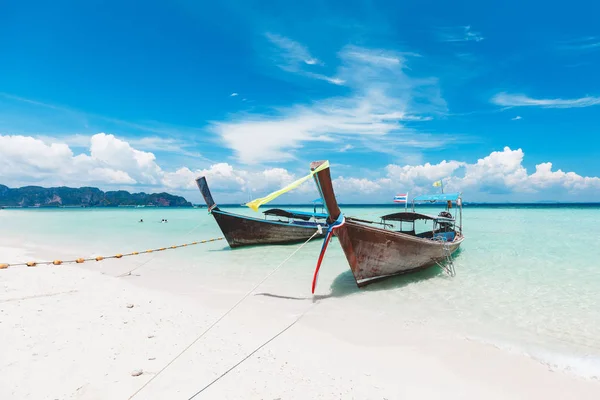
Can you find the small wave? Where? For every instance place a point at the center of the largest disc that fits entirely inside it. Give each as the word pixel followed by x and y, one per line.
pixel 583 365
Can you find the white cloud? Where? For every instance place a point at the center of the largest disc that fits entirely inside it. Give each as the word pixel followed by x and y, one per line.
pixel 418 175
pixel 346 148
pixel 112 162
pixel 293 52
pixel 500 173
pixel 26 159
pixel 353 186
pixel 518 117
pixel 377 57
pixel 233 94
pixel 500 170
pixel 230 184
pixel 382 98
pixel 519 100
pixel 108 150
pixel 335 81
pixel 544 177
pixel 110 176
pixel 459 34
pixel 293 57
pixel 146 143
pixel 588 43
pixel 49 122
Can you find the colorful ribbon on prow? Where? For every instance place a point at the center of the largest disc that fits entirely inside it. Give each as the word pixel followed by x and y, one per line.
pixel 337 224
pixel 254 204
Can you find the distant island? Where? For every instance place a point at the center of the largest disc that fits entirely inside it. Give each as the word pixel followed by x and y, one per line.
pixel 36 196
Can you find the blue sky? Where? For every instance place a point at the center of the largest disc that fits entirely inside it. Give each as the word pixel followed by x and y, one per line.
pixel 250 92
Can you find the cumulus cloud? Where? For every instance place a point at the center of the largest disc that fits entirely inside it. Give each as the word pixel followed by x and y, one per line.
pixel 417 175
pixel 114 163
pixel 361 186
pixel 501 172
pixel 111 162
pixel 223 176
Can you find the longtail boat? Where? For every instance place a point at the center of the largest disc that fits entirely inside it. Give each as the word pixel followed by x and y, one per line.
pixel 285 226
pixel 375 252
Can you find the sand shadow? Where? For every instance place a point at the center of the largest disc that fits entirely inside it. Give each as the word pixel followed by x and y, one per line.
pixel 280 296
pixel 270 245
pixel 224 248
pixel 259 246
pixel 345 285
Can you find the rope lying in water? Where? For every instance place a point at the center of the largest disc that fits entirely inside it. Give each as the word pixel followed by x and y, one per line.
pixel 100 258
pixel 318 231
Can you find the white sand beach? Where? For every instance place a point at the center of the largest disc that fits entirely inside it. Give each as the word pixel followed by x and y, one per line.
pixel 81 331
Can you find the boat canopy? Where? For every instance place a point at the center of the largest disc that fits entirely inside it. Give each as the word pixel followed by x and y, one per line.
pixel 303 215
pixel 438 197
pixel 408 216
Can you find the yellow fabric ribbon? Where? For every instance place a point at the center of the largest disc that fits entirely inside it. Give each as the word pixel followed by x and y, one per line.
pixel 254 204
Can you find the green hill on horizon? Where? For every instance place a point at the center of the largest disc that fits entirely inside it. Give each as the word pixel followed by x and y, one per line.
pixel 37 196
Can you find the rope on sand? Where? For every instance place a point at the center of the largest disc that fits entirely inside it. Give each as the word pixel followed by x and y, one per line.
pixel 251 354
pixel 100 258
pixel 128 273
pixel 36 296
pixel 318 231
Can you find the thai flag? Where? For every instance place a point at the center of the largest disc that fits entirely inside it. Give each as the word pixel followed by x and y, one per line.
pixel 401 198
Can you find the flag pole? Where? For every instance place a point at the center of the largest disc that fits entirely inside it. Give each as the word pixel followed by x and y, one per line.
pixel 406 202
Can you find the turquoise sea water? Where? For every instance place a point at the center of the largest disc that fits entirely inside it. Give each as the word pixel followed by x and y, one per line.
pixel 528 279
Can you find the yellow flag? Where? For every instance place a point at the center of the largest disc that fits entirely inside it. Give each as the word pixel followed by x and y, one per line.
pixel 437 183
pixel 254 204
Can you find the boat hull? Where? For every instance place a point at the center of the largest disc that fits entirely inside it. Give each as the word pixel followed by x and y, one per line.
pixel 375 253
pixel 247 231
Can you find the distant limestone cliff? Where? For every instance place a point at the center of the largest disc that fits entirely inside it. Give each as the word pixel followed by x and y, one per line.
pixel 36 196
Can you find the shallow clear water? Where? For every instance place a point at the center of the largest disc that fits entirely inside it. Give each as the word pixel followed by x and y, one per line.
pixel 527 278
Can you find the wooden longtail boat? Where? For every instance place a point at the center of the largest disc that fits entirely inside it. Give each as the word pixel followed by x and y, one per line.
pixel 241 230
pixel 378 252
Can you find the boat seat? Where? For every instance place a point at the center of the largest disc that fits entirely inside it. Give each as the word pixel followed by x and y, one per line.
pixel 304 223
pixel 412 233
pixel 446 236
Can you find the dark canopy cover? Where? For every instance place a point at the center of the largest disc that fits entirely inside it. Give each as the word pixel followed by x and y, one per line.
pixel 408 216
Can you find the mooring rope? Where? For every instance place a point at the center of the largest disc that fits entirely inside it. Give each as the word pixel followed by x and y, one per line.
pixel 251 354
pixel 128 273
pixel 318 231
pixel 100 258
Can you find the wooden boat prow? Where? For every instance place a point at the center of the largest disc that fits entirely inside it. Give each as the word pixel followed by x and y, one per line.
pixel 374 253
pixel 241 230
